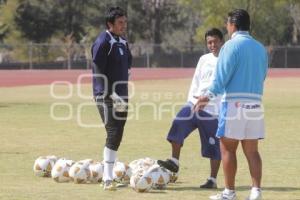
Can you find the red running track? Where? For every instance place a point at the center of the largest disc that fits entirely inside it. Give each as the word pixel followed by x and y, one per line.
pixel 12 78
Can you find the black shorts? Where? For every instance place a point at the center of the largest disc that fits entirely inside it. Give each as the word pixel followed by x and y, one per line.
pixel 114 122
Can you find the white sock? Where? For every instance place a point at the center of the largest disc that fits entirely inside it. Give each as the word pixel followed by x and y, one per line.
pixel 109 157
pixel 213 179
pixel 255 190
pixel 228 192
pixel 175 160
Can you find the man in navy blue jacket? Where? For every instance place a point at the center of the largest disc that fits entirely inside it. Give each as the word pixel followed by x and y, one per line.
pixel 111 65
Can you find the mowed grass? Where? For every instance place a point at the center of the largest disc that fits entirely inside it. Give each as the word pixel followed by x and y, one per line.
pixel 27 131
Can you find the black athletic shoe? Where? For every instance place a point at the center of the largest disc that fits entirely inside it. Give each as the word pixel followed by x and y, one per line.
pixel 168 164
pixel 209 185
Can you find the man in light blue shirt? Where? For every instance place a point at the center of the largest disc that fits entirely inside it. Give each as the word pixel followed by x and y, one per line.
pixel 240 75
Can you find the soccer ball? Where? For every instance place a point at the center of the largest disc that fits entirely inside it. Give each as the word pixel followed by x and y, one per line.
pixel 141 182
pixel 96 172
pixel 160 177
pixel 80 172
pixel 120 171
pixel 145 162
pixel 52 157
pixel 86 162
pixel 149 161
pixel 60 171
pixel 141 165
pixel 133 163
pixel 43 165
pixel 128 174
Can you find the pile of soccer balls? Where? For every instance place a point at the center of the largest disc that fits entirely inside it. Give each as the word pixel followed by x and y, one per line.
pixel 142 174
pixel 65 170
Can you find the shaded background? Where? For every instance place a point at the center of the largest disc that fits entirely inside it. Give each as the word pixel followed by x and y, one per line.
pixel 57 34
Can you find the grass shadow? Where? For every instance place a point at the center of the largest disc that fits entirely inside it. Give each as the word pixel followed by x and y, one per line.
pixel 268 188
pixel 239 188
pixel 190 188
pixel 13 152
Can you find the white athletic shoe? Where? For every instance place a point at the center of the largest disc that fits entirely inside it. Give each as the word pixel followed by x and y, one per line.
pixel 109 185
pixel 223 196
pixel 255 195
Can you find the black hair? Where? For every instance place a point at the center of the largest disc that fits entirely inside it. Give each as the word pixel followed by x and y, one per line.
pixel 240 18
pixel 112 14
pixel 214 32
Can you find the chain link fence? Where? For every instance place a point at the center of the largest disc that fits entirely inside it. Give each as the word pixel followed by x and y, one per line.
pixel 78 56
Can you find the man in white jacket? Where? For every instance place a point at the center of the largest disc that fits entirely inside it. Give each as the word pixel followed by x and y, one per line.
pixel 205 120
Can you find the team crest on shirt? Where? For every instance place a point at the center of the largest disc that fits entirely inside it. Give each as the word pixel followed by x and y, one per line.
pixel 121 51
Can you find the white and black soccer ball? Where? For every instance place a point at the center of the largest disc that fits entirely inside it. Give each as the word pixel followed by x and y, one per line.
pixel 60 171
pixel 43 165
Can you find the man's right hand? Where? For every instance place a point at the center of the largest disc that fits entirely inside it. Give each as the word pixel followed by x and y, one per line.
pixel 201 103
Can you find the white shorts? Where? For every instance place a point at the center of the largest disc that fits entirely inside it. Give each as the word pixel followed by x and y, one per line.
pixel 241 120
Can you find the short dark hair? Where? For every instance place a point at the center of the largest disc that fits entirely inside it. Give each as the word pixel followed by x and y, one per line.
pixel 240 18
pixel 214 32
pixel 114 13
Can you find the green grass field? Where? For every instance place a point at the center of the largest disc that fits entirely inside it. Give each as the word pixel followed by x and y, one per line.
pixel 27 131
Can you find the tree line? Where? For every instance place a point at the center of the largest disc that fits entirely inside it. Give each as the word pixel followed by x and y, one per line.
pixel 160 22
